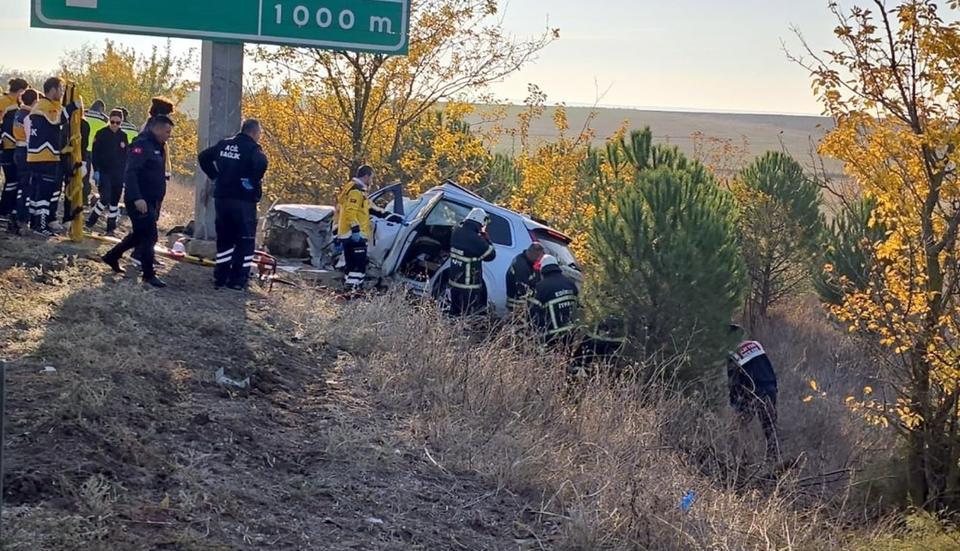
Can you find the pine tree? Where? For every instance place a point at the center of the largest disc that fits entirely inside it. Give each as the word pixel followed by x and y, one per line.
pixel 780 226
pixel 668 262
pixel 845 263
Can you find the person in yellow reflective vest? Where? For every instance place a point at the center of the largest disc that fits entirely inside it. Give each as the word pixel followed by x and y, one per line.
pixel 21 129
pixel 353 224
pixel 354 205
pixel 9 105
pixel 45 145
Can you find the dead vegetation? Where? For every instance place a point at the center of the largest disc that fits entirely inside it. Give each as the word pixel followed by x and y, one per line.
pixel 381 425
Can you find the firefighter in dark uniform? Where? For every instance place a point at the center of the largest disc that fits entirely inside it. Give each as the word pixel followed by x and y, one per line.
pixel 24 203
pixel 469 249
pixel 48 121
pixel 109 162
pixel 554 302
pixel 236 166
pixel 753 388
pixel 522 277
pixel 146 186
pixel 9 105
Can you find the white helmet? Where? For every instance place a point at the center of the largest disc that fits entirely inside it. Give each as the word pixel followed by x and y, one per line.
pixel 548 260
pixel 479 216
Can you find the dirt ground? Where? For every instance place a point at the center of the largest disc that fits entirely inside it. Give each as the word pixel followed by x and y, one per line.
pixel 119 437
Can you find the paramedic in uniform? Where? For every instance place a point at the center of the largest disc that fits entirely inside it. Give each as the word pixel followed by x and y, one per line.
pixel 237 167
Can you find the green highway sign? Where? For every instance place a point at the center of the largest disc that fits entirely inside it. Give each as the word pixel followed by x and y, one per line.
pixel 379 26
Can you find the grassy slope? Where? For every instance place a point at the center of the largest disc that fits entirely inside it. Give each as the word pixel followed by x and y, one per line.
pixel 131 444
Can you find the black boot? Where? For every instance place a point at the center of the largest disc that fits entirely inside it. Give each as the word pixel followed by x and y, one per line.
pixel 114 264
pixel 155 282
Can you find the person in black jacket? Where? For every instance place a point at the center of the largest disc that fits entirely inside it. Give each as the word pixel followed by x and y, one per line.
pixel 469 249
pixel 522 277
pixel 554 302
pixel 109 163
pixel 237 167
pixel 146 184
pixel 753 388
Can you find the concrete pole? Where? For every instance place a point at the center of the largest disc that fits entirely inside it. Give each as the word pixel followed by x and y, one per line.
pixel 221 97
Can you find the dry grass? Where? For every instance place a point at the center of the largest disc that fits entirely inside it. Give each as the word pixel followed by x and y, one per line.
pixel 178 205
pixel 385 409
pixel 606 466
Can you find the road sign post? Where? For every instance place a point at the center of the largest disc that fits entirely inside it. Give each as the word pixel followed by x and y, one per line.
pixel 378 26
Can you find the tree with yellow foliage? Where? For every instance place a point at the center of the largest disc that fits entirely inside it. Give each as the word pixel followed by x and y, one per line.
pixel 363 107
pixel 894 91
pixel 121 77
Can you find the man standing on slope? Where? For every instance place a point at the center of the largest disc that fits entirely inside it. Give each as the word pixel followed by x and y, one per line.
pixel 237 167
pixel 109 163
pixel 21 129
pixel 354 208
pixel 522 277
pixel 146 186
pixel 49 131
pixel 753 388
pixel 9 105
pixel 469 249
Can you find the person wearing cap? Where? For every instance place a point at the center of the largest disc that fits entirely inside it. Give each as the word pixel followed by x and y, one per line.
pixel 553 304
pixel 522 277
pixel 469 249
pixel 236 166
pixel 109 163
pixel 9 105
pixel 753 387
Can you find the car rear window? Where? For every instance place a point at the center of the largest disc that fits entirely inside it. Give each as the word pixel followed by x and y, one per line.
pixel 556 247
pixel 499 230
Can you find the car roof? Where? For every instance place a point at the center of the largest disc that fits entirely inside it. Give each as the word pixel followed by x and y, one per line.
pixel 455 190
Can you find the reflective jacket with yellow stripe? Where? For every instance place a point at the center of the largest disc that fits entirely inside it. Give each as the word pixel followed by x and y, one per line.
pixel 554 303
pixel 47 138
pixel 353 205
pixel 468 251
pixel 8 110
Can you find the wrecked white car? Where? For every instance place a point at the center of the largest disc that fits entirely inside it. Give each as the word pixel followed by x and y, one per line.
pixel 416 252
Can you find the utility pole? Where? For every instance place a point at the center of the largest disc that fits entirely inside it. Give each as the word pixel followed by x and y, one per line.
pixel 221 102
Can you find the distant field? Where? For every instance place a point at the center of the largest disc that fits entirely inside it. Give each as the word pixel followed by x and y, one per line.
pixel 795 134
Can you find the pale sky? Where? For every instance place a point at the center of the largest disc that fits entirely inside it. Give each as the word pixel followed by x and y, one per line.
pixel 708 55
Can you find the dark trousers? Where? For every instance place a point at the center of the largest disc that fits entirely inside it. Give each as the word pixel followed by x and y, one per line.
pixel 356 260
pixel 467 302
pixel 45 183
pixel 236 240
pixel 8 199
pixel 23 205
pixel 762 405
pixel 110 187
pixel 141 239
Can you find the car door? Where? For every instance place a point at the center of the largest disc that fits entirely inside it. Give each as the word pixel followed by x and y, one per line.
pixel 407 235
pixel 385 233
